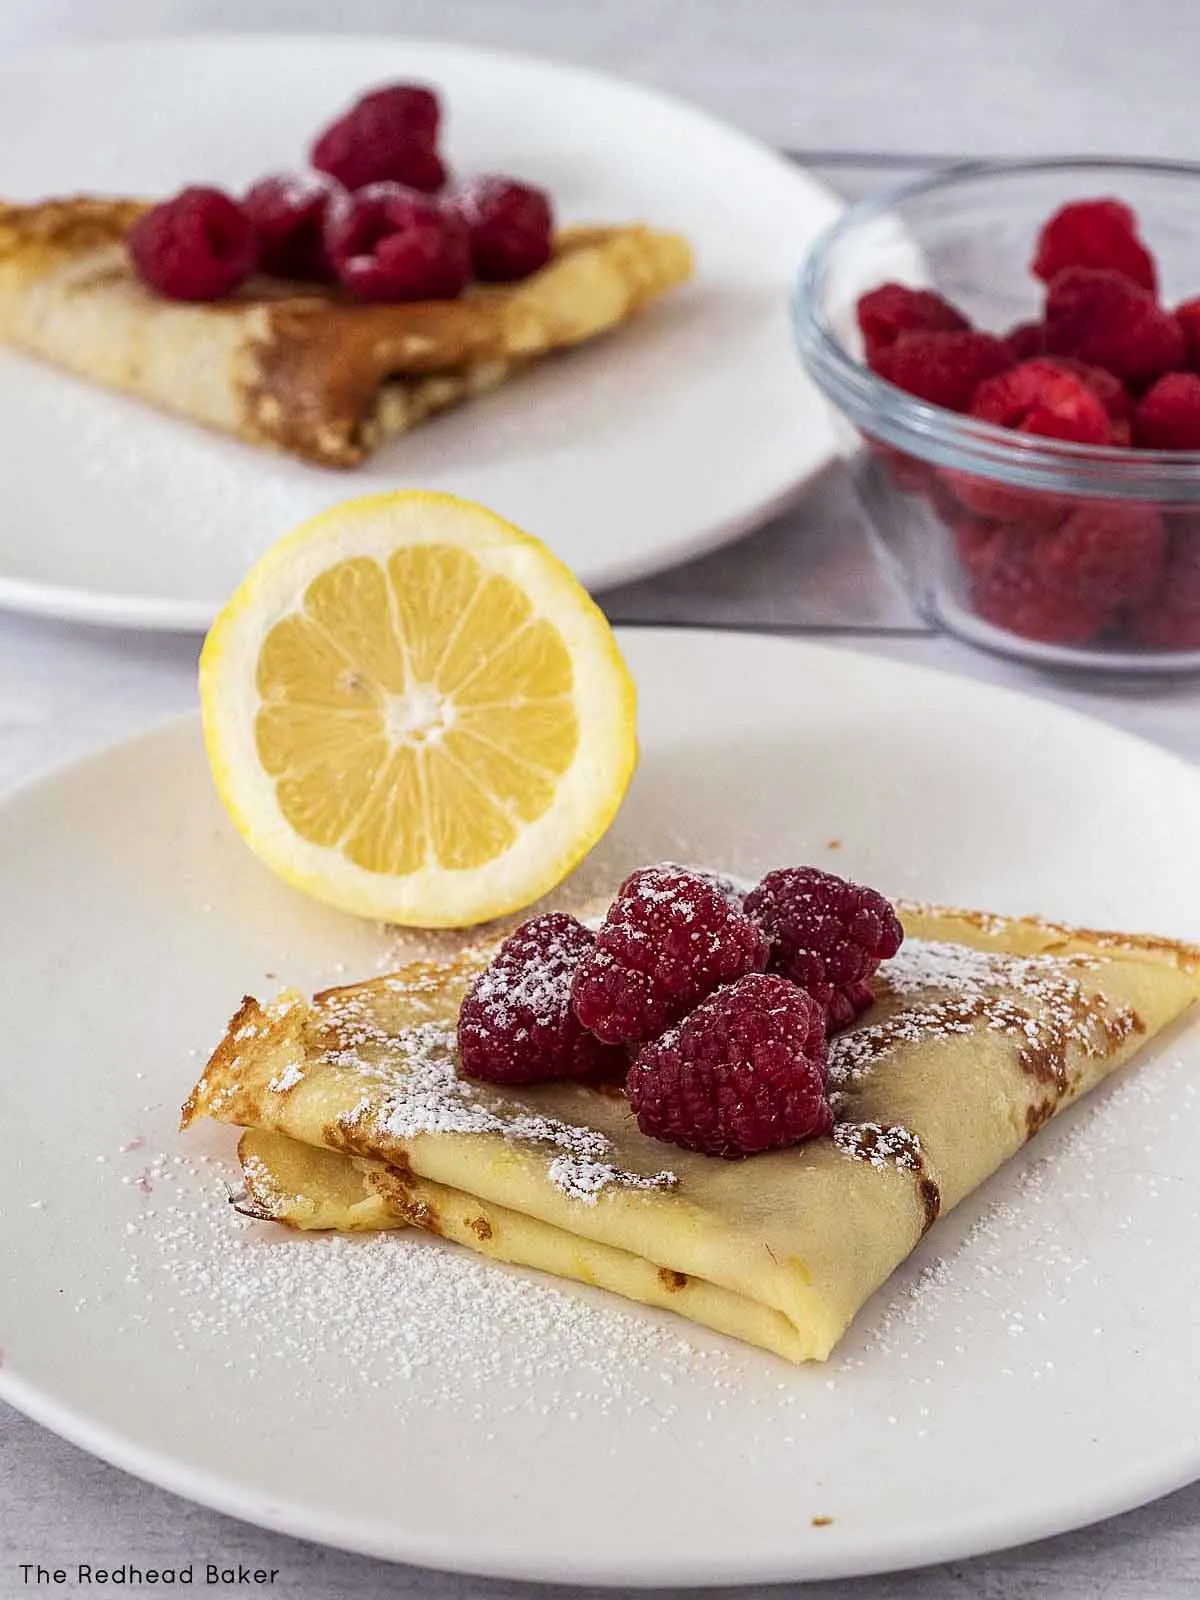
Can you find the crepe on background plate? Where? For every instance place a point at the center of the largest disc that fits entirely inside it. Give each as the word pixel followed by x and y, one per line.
pixel 294 366
pixel 984 1027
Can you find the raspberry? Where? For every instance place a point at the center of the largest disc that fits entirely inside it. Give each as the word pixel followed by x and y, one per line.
pixel 951 509
pixel 827 935
pixel 943 369
pixel 1094 233
pixel 1043 397
pixel 389 244
pixel 971 532
pixel 288 214
pixel 1109 390
pixel 893 309
pixel 1103 555
pixel 670 937
pixel 200 245
pixel 1009 602
pixel 516 1024
pixel 409 106
pixel 1008 590
pixel 511 228
pixel 960 498
pixel 745 1072
pixel 1170 618
pixel 1025 340
pixel 388 136
pixel 1031 510
pixel 1168 414
pixel 976 542
pixel 1057 398
pixel 1103 319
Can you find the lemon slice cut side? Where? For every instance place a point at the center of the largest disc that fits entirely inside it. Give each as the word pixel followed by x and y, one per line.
pixel 413 711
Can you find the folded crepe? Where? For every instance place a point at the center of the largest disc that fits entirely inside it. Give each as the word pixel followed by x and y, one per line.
pixel 984 1028
pixel 299 367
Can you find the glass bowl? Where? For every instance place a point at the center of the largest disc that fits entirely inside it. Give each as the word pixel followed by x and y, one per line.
pixel 945 492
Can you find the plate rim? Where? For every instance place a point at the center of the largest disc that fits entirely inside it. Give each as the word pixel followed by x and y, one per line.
pixel 989 1530
pixel 68 603
pixel 145 613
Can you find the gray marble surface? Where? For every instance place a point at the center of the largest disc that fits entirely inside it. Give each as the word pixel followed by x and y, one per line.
pixel 915 77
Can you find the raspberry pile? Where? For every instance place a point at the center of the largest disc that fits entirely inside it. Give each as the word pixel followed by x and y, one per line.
pixel 671 994
pixel 1106 365
pixel 377 216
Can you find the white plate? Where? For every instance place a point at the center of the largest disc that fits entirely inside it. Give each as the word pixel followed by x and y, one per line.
pixel 683 430
pixel 1033 1367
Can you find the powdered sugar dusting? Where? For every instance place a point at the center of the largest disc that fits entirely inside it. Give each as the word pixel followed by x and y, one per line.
pixel 536 989
pixel 880 1143
pixel 268 1200
pixel 416 1322
pixel 948 989
pixel 424 1094
pixel 1024 1254
pixel 583 1179
pixel 923 964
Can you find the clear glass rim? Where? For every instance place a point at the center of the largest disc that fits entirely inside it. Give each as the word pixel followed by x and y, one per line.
pixel 946 438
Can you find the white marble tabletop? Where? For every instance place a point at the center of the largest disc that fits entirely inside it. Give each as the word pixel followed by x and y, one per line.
pixel 921 78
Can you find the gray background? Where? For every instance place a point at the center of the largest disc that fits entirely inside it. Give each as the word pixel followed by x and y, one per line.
pixel 910 78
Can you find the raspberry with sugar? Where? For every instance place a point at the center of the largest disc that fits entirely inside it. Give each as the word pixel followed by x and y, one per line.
pixel 516 1024
pixel 199 245
pixel 943 369
pixel 389 136
pixel 893 309
pixel 827 935
pixel 1103 319
pixel 1094 233
pixel 1168 414
pixel 511 228
pixel 388 244
pixel 1170 617
pixel 721 881
pixel 671 937
pixel 744 1073
pixel 288 214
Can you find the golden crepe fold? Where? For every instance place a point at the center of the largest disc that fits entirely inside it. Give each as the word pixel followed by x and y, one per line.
pixel 298 367
pixel 984 1027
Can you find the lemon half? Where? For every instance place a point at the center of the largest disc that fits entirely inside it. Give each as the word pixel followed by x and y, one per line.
pixel 413 711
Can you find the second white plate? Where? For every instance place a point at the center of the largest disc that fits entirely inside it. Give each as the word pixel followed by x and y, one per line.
pixel 1032 1367
pixel 680 431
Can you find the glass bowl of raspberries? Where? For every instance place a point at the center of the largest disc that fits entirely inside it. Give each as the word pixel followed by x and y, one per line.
pixel 1013 354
